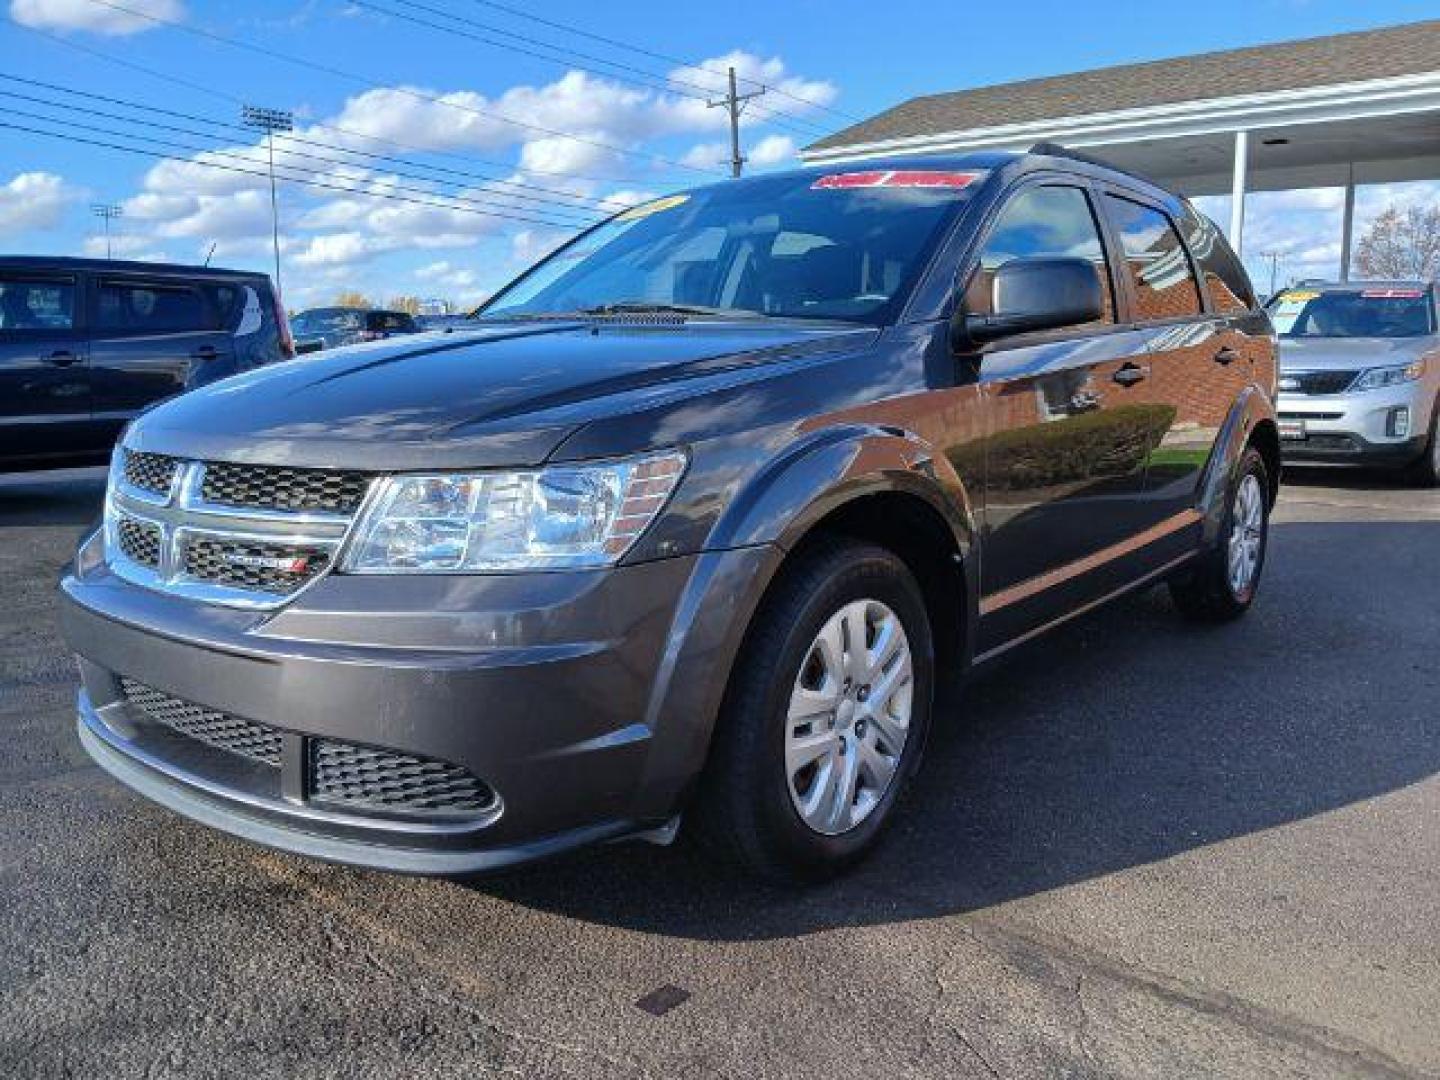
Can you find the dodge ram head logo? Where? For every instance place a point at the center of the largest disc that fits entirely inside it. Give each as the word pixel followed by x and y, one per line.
pixel 285 564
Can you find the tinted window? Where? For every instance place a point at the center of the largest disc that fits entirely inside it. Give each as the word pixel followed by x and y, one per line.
pixel 390 321
pixel 35 304
pixel 326 320
pixel 151 308
pixel 1225 278
pixel 1041 222
pixel 1165 286
pixel 845 245
pixel 1380 313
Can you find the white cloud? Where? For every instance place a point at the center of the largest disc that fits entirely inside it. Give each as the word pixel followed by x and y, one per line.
pixel 772 150
pixel 34 200
pixel 92 17
pixel 334 249
pixel 707 155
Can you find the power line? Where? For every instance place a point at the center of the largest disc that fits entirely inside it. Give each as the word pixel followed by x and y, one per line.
pixel 91 110
pixel 665 57
pixel 379 140
pixel 647 79
pixel 293 174
pixel 362 80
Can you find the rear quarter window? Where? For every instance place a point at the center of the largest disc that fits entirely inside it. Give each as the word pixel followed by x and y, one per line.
pixel 1226 281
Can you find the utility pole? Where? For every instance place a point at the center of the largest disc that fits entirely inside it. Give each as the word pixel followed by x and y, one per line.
pixel 270 121
pixel 1274 257
pixel 735 102
pixel 107 211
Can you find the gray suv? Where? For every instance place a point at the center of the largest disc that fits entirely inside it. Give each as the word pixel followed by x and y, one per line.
pixel 1360 375
pixel 693 517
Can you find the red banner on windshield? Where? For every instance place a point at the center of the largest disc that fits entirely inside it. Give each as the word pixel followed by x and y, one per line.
pixel 896 178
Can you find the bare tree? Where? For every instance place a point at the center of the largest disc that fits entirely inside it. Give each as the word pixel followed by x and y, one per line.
pixel 408 304
pixel 352 299
pixel 1402 244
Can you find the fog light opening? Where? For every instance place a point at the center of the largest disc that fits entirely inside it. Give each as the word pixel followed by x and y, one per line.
pixel 1397 424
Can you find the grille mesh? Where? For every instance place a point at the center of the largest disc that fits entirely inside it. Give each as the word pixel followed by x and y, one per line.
pixel 382 780
pixel 244 737
pixel 1322 382
pixel 213 560
pixel 270 487
pixel 150 472
pixel 139 541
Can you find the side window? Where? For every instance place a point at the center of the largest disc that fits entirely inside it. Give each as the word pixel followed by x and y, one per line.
pixel 142 307
pixel 224 299
pixel 36 303
pixel 1165 285
pixel 1225 278
pixel 1041 222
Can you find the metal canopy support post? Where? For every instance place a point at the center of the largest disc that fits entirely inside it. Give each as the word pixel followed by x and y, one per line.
pixel 1347 224
pixel 1237 192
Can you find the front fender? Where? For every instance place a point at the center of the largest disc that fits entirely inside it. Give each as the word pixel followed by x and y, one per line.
pixel 827 469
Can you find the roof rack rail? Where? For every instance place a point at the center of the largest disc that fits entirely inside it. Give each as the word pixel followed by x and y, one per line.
pixel 1053 149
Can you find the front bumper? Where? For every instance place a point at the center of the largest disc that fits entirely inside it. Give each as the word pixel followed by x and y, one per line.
pixel 1356 428
pixel 583 700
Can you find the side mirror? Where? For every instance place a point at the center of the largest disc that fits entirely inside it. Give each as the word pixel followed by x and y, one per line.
pixel 1028 295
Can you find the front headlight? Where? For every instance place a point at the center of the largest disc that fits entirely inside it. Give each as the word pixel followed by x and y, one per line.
pixel 541 519
pixel 1381 377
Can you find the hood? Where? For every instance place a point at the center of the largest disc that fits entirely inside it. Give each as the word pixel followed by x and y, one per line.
pixel 502 395
pixel 1350 354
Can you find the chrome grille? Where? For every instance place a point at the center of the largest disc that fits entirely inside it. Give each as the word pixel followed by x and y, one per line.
pixel 247 564
pixel 1317 382
pixel 268 487
pixel 221 730
pixel 238 535
pixel 140 541
pixel 364 777
pixel 150 472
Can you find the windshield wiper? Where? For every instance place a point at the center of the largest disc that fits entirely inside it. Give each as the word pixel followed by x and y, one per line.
pixel 654 307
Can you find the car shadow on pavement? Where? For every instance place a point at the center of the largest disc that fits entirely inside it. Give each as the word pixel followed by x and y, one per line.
pixel 72 497
pixel 1347 478
pixel 1124 738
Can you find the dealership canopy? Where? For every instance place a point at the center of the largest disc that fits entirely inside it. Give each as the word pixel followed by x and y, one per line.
pixel 1361 108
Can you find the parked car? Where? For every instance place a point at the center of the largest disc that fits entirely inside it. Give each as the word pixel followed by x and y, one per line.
pixel 330 328
pixel 1360 375
pixel 86 344
pixel 694 522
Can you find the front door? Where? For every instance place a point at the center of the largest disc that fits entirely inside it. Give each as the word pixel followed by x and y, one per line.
pixel 44 377
pixel 1068 431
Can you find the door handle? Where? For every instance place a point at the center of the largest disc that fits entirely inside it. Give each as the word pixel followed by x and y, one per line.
pixel 61 358
pixel 1130 374
pixel 1226 356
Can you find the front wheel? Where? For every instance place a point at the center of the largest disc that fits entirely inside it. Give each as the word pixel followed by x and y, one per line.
pixel 1223 583
pixel 1426 471
pixel 825 717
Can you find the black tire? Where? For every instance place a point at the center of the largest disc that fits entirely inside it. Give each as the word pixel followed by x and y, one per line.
pixel 743 810
pixel 1206 593
pixel 1425 472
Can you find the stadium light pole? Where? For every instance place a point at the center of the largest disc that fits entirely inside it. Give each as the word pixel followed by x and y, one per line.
pixel 270 121
pixel 108 212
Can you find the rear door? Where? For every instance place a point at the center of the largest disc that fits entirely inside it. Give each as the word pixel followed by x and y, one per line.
pixel 1066 448
pixel 1199 361
pixel 44 377
pixel 151 337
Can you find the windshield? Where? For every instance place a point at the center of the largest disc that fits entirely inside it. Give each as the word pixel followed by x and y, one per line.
pixel 1352 313
pixel 326 320
pixel 845 246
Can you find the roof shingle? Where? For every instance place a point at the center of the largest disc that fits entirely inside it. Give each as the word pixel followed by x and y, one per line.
pixel 1342 58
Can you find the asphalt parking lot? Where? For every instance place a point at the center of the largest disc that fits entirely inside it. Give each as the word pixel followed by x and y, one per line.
pixel 1138 848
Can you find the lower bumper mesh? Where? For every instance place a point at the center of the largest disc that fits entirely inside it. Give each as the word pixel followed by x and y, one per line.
pixel 337 774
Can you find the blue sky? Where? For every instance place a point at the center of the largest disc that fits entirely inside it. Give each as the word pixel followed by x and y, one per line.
pixel 472 198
